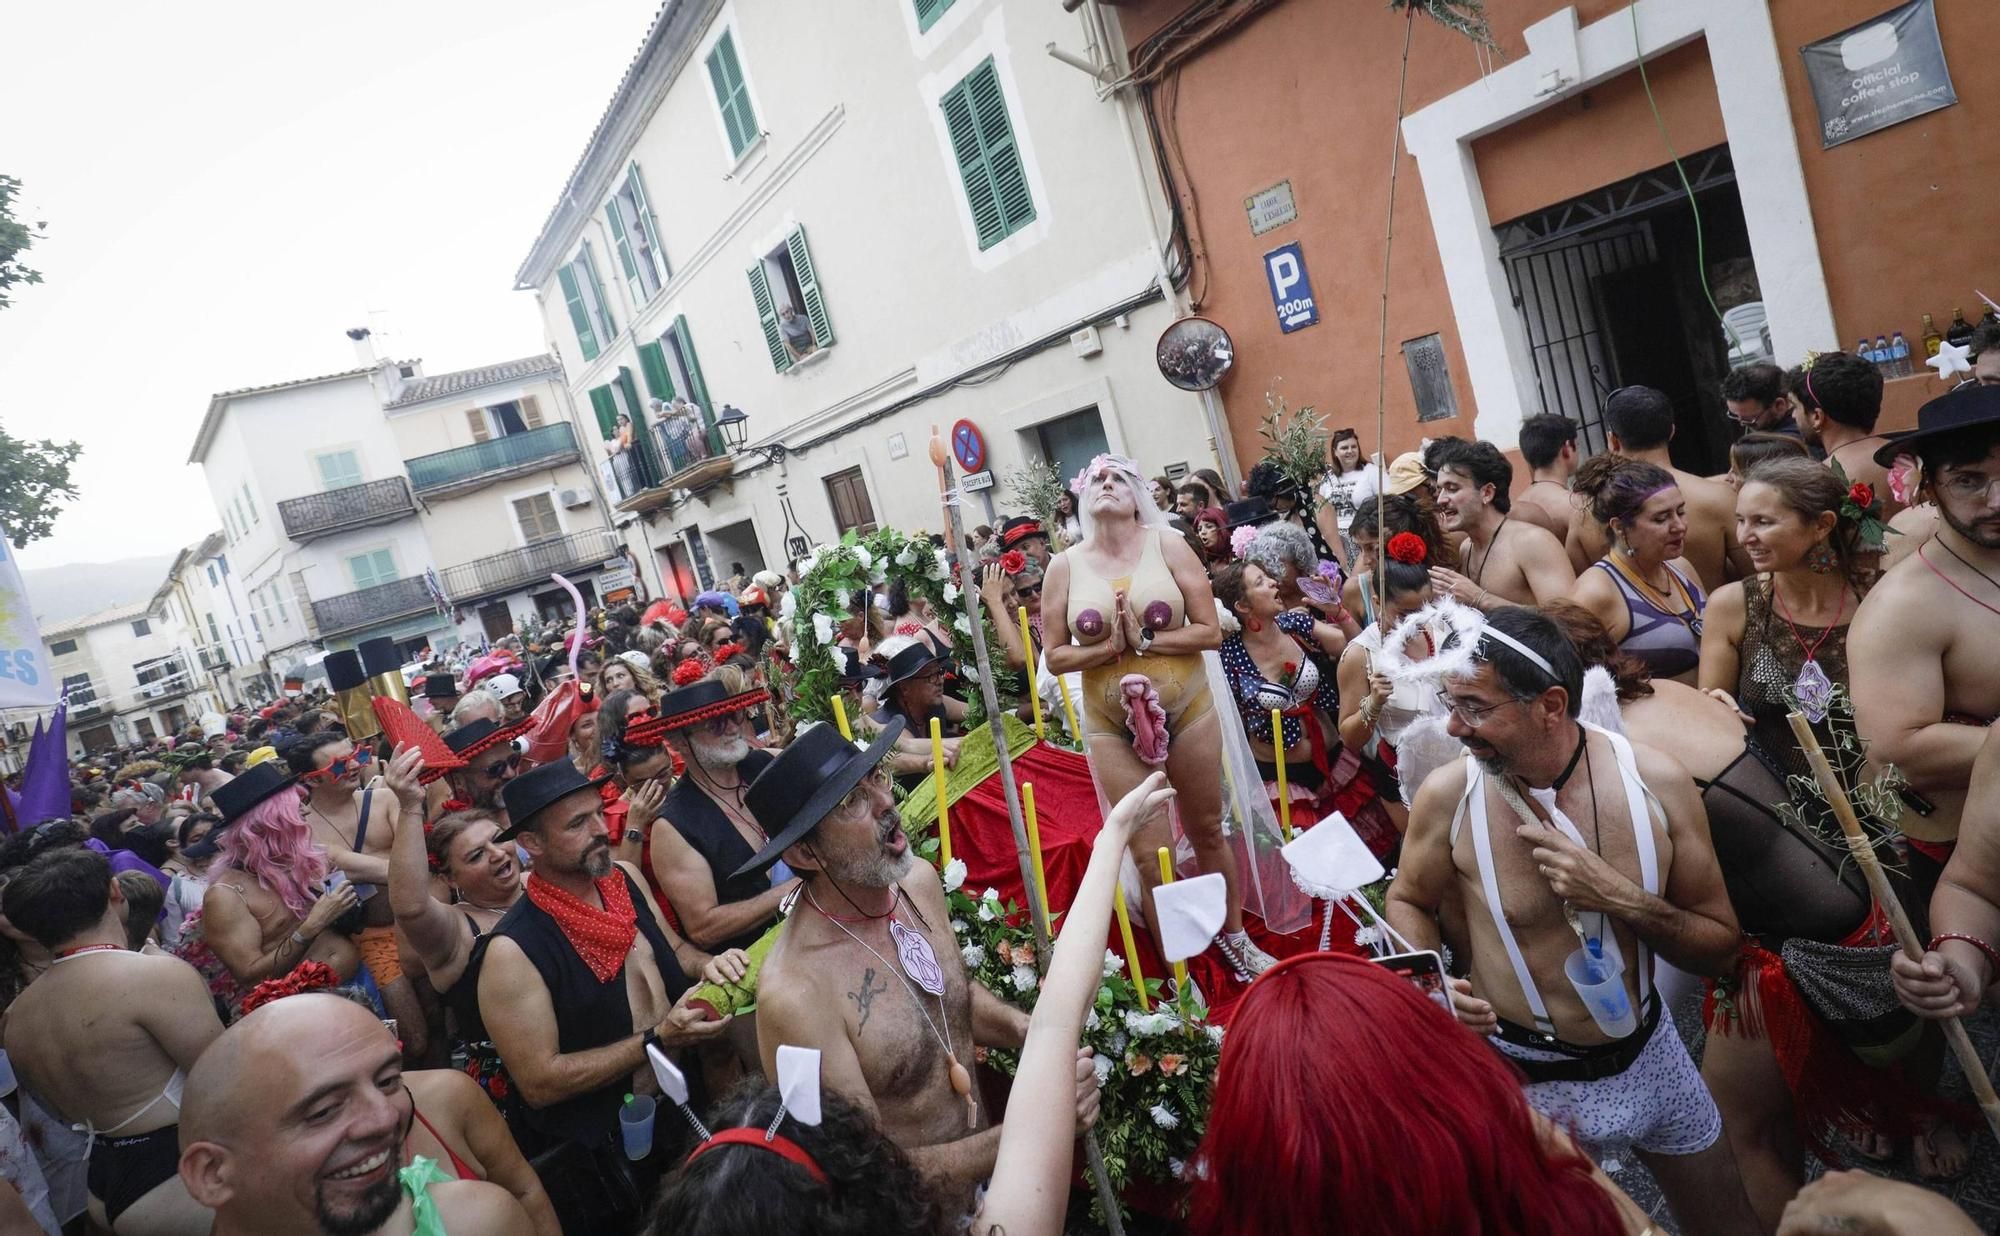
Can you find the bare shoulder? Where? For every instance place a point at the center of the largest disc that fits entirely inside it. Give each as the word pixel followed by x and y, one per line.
pixel 1437 798
pixel 1662 773
pixel 1709 496
pixel 1726 601
pixel 443 1089
pixel 477 1206
pixel 1906 601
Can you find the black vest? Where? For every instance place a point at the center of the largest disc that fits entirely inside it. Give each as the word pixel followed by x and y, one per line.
pixel 701 823
pixel 588 1013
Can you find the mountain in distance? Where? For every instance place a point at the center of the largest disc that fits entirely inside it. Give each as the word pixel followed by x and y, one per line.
pixel 58 593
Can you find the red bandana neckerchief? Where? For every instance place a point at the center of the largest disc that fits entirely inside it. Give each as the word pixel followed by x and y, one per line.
pixel 601 937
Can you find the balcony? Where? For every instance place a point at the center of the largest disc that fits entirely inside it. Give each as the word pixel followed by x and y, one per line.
pixel 213 659
pixel 466 468
pixel 352 611
pixel 338 510
pixel 533 564
pixel 682 453
pixel 164 679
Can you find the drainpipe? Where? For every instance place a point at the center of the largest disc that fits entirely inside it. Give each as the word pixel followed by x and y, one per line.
pixel 1097 33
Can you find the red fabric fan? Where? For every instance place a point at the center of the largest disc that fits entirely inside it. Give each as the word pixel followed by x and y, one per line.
pixel 689 671
pixel 405 728
pixel 548 736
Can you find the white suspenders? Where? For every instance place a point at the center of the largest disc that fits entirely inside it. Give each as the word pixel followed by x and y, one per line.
pixel 1474 799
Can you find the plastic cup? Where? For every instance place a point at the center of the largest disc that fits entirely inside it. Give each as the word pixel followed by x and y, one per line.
pixel 1600 983
pixel 635 1126
pixel 6 1076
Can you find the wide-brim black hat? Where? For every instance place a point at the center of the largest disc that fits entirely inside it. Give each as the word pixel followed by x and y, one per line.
pixel 535 789
pixel 440 685
pixel 477 737
pixel 248 788
pixel 1968 407
pixel 702 700
pixel 796 790
pixel 910 662
pixel 1248 512
pixel 854 669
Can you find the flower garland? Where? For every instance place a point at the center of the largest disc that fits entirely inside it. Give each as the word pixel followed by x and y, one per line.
pixel 925 574
pixel 828 579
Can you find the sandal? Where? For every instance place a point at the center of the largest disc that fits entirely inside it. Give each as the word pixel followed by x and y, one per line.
pixel 1246 960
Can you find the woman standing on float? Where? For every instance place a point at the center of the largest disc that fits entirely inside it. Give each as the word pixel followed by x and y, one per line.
pixel 1136 601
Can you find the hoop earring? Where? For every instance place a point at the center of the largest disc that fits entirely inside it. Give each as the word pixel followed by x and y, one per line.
pixel 1822 560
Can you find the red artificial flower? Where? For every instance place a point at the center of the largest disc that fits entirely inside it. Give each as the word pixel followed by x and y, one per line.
pixel 306 976
pixel 1861 495
pixel 726 651
pixel 1408 548
pixel 1013 562
pixel 688 671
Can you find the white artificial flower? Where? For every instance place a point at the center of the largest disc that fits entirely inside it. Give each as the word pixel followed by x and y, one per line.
pixel 1164 1118
pixel 1368 935
pixel 1025 978
pixel 823 629
pixel 954 875
pixel 1092 1022
pixel 1117 1042
pixel 951 594
pixel 1102 1064
pixel 974 956
pixel 960 926
pixel 1177 1167
pixel 937 568
pixel 1214 1033
pixel 861 555
pixel 962 625
pixel 1113 963
pixel 986 912
pixel 908 556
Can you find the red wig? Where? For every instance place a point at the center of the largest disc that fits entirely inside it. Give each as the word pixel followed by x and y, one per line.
pixel 1381 1115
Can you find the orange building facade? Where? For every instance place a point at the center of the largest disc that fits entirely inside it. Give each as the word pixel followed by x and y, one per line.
pixel 1545 251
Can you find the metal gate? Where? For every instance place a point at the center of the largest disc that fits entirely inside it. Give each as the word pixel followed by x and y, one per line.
pixel 1553 289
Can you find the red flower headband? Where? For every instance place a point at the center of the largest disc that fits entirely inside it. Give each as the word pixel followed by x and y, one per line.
pixel 689 671
pixel 306 976
pixel 1408 548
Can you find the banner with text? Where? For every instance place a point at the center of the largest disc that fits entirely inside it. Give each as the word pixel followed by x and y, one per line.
pixel 1879 73
pixel 24 671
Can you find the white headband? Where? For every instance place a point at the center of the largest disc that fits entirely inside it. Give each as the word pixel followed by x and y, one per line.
pixel 1488 632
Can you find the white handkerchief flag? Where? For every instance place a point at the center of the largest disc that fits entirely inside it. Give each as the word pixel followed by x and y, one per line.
pixel 1331 861
pixel 675 1087
pixel 1191 912
pixel 798 1084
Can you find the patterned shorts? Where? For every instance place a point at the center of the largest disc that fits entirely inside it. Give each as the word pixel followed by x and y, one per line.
pixel 1659 1104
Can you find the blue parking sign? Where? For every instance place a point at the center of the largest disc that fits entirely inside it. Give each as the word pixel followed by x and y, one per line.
pixel 1291 289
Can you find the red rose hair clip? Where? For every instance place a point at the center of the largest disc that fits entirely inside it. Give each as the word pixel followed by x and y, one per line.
pixel 1408 548
pixel 1013 562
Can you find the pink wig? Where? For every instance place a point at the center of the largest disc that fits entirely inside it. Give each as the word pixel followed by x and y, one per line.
pixel 1381 1114
pixel 275 845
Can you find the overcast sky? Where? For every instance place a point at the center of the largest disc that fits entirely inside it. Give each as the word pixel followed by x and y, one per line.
pixel 228 186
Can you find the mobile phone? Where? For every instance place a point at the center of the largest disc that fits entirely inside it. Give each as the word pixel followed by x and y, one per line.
pixel 1423 970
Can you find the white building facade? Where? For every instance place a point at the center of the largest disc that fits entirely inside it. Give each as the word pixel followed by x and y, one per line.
pixel 852 224
pixel 128 675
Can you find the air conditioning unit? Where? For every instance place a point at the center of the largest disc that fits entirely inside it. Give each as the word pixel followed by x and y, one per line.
pixel 573 498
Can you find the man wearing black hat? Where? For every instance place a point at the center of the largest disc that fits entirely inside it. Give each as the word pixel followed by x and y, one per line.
pixel 913 689
pixel 1924 680
pixel 703 833
pixel 441 695
pixel 866 968
pixel 491 760
pixel 576 980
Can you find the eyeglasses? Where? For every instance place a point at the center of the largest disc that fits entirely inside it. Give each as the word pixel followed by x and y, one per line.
pixel 1968 485
pixel 512 763
pixel 1473 715
pixel 361 758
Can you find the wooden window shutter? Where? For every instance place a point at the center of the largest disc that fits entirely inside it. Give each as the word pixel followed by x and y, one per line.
pixel 653 364
pixel 928 11
pixel 531 412
pixel 802 266
pixel 964 131
pixel 589 264
pixel 732 97
pixel 767 317
pixel 700 392
pixel 623 244
pixel 989 159
pixel 579 318
pixel 605 404
pixel 476 417
pixel 648 220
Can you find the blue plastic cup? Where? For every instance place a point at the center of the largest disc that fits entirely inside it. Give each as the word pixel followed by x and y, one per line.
pixel 635 1126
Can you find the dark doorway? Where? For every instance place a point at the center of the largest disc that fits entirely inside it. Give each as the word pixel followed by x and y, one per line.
pixel 680 573
pixel 99 738
pixel 555 605
pixel 496 620
pixel 1069 442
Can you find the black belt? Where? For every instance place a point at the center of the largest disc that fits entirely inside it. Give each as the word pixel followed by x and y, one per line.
pixel 1583 1063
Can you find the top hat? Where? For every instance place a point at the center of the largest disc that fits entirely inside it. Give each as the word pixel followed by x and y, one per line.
pixel 702 700
pixel 343 670
pixel 440 685
pixel 796 790
pixel 910 662
pixel 253 785
pixel 535 789
pixel 1968 407
pixel 1021 528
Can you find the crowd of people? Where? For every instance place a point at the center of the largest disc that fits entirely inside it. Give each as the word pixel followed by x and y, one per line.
pixel 439 960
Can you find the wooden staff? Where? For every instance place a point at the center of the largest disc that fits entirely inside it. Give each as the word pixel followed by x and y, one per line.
pixel 1906 935
pixel 968 592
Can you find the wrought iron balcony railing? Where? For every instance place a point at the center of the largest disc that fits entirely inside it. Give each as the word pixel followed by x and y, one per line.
pixel 531 564
pixel 474 465
pixel 351 611
pixel 354 506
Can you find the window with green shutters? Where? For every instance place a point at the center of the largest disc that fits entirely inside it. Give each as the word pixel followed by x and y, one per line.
pixel 589 313
pixel 790 308
pixel 989 159
pixel 579 317
pixel 635 234
pixel 732 96
pixel 928 11
pixel 370 569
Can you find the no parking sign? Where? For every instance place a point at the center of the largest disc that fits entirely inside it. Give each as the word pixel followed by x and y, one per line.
pixel 968 447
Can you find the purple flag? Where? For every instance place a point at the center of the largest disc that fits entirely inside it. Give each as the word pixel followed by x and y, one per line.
pixel 45 781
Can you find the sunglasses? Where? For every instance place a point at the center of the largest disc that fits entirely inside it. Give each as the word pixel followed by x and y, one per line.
pixel 361 758
pixel 512 763
pixel 1032 590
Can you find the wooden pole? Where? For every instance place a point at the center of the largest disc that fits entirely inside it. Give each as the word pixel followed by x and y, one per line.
pixel 1906 935
pixel 942 783
pixel 968 593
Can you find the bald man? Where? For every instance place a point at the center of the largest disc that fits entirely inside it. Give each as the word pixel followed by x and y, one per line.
pixel 294 1122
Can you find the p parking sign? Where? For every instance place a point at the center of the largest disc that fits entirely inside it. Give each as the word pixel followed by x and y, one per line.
pixel 1291 288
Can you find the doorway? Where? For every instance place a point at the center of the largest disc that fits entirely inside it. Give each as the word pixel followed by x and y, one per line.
pixel 1611 292
pixel 1069 442
pixel 680 573
pixel 496 620
pixel 734 544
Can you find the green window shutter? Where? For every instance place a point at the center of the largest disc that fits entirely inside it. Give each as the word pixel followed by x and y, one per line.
pixel 604 320
pixel 700 392
pixel 578 318
pixel 989 160
pixel 647 219
pixel 642 431
pixel 802 266
pixel 928 11
pixel 653 364
pixel 732 97
pixel 767 317
pixel 605 404
pixel 623 244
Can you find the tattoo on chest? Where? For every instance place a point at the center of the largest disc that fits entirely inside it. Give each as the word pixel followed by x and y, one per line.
pixel 864 996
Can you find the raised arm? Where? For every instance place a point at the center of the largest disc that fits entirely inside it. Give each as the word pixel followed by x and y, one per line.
pixel 992 587
pixel 237 940
pixel 1361 698
pixel 437 936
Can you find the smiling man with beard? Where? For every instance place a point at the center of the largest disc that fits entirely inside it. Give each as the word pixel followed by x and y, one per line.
pixel 1617 852
pixel 294 1122
pixel 866 968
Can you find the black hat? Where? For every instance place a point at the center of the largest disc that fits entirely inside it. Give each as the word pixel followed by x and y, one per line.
pixel 379 656
pixel 537 788
pixel 910 662
pixel 1021 528
pixel 854 669
pixel 440 685
pixel 343 670
pixel 1250 512
pixel 701 700
pixel 796 790
pixel 1968 407
pixel 248 788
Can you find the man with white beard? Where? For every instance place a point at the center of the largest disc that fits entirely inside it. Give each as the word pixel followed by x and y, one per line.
pixel 705 833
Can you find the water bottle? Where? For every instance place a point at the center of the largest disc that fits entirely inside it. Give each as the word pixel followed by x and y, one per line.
pixel 1899 355
pixel 1884 359
pixel 1866 350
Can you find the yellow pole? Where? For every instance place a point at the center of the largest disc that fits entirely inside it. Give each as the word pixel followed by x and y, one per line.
pixel 944 812
pixel 1284 791
pixel 1035 851
pixel 1028 647
pixel 840 716
pixel 1180 967
pixel 1131 947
